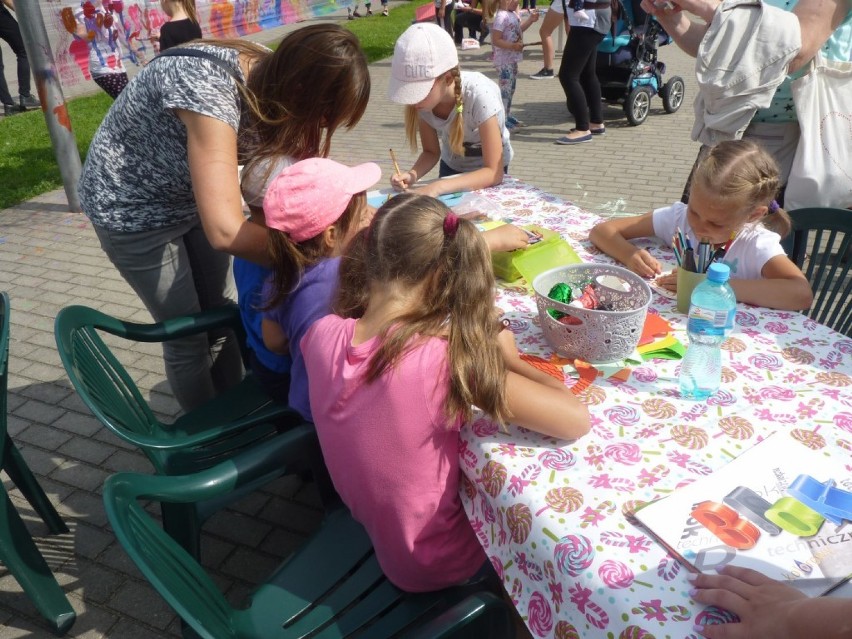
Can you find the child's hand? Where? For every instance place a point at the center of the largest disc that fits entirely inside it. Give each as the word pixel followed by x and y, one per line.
pixel 403 181
pixel 533 17
pixel 507 237
pixel 668 281
pixel 643 264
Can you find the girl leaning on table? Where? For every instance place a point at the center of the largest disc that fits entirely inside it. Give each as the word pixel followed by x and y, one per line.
pixel 459 115
pixel 393 377
pixel 732 205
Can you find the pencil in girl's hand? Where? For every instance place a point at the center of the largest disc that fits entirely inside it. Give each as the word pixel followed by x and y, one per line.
pixel 395 163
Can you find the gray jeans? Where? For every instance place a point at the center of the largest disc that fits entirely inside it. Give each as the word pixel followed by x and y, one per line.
pixel 176 272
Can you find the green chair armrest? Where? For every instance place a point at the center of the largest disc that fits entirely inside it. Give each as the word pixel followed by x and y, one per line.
pixel 487 610
pixel 160 331
pixel 245 468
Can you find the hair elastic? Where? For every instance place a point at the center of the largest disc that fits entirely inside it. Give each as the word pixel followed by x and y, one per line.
pixel 459 108
pixel 773 207
pixel 451 224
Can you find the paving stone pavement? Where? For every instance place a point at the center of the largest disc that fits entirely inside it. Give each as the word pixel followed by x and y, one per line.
pixel 50 258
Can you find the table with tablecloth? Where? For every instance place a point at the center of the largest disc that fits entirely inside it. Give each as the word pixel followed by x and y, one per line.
pixel 554 516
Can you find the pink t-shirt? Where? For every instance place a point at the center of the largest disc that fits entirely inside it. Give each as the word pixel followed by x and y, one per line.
pixel 392 455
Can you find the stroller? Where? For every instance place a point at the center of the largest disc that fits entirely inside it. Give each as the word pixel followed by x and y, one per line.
pixel 627 64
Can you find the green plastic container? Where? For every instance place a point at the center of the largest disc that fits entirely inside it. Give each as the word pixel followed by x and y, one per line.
pixel 550 252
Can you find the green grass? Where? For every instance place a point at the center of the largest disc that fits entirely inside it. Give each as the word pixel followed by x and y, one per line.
pixel 28 167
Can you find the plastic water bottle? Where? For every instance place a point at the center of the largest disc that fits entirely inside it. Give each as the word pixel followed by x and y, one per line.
pixel 711 316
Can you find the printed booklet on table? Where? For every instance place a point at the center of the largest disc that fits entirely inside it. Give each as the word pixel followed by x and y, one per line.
pixel 779 508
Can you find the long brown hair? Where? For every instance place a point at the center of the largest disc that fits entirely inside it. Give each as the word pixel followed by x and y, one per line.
pixel 745 175
pixel 316 81
pixel 291 259
pixel 407 244
pixel 188 7
pixel 412 118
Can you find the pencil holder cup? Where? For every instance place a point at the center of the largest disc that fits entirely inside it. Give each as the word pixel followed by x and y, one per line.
pixel 686 283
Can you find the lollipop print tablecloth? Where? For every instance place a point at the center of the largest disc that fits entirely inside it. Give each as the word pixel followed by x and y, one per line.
pixel 551 515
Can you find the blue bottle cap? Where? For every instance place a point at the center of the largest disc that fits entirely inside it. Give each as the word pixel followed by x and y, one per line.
pixel 718 273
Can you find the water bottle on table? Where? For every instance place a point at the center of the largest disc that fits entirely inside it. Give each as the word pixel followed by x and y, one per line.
pixel 711 316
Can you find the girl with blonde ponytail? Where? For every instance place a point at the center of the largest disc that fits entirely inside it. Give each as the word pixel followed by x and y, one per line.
pixel 459 116
pixel 395 377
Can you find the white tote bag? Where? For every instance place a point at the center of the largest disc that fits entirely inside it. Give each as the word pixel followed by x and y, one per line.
pixel 822 167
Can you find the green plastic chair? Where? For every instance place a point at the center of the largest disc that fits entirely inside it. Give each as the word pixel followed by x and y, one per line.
pixel 824 236
pixel 242 417
pixel 17 548
pixel 332 587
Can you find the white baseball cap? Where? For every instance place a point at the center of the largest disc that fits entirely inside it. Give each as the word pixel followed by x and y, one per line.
pixel 421 54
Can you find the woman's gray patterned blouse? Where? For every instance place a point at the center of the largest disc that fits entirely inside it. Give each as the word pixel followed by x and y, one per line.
pixel 136 176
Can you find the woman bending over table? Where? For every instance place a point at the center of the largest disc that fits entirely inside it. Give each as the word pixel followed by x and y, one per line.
pixel 161 187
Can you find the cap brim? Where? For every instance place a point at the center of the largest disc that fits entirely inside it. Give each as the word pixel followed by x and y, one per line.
pixel 409 92
pixel 363 177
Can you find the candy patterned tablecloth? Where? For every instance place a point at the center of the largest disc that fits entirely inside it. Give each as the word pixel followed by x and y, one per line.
pixel 551 515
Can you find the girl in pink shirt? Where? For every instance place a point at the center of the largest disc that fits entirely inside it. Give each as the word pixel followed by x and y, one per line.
pixel 394 376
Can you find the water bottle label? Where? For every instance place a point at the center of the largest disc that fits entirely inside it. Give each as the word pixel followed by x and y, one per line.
pixel 716 319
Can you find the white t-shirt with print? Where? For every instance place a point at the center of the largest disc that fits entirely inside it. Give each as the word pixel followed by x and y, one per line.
pixel 481 101
pixel 753 247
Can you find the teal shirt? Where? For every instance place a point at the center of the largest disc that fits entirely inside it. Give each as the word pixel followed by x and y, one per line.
pixel 838 47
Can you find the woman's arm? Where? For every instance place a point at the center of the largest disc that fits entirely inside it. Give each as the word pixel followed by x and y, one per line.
pixel 538 401
pixel 782 286
pixel 212 151
pixel 274 337
pixel 612 237
pixel 491 172
pixel 818 20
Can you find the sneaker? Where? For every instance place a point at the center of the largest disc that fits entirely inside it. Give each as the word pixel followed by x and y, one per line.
pixel 29 102
pixel 355 14
pixel 385 12
pixel 514 122
pixel 369 12
pixel 10 109
pixel 543 74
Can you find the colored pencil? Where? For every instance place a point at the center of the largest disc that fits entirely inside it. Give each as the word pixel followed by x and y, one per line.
pixel 395 163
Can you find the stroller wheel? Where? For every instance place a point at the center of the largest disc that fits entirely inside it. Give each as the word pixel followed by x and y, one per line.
pixel 672 94
pixel 637 105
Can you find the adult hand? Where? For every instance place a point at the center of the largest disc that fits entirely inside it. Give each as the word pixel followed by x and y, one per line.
pixel 762 604
pixel 403 181
pixel 643 264
pixel 704 9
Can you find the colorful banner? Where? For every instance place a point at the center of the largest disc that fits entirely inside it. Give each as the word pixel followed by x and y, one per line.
pixel 83 33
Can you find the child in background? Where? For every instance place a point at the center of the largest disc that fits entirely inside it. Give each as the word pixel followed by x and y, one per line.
pixel 183 24
pixel 394 378
pixel 508 42
pixel 459 115
pixel 312 209
pixel 353 13
pixel 732 197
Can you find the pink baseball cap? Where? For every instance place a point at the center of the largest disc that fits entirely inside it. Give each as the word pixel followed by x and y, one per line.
pixel 421 54
pixel 309 196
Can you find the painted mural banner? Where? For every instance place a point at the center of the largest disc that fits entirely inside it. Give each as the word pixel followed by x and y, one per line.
pixel 95 36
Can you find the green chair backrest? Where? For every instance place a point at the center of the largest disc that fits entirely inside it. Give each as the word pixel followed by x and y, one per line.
pixel 4 368
pixel 99 378
pixel 822 248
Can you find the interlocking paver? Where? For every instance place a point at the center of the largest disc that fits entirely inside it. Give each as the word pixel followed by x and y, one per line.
pixel 50 257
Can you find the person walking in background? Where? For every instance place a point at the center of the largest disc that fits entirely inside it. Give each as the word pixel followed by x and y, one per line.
pixel 444 15
pixel 11 33
pixel 182 26
pixel 507 39
pixel 552 19
pixel 578 74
